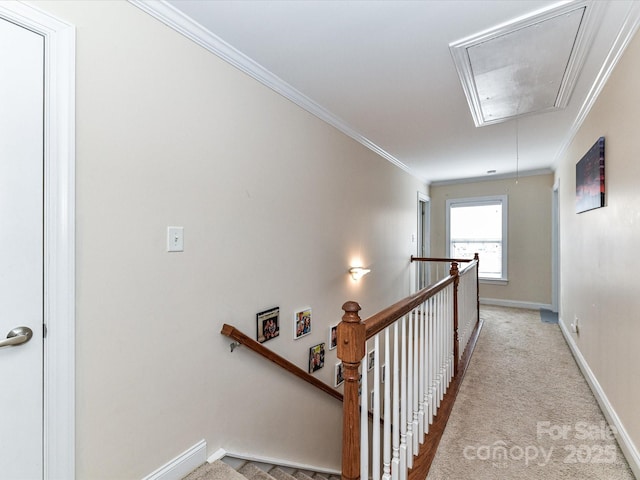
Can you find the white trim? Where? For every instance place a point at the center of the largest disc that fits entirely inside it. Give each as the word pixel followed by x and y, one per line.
pixel 503 201
pixel 217 455
pixel 584 38
pixel 628 30
pixel 493 281
pixel 174 18
pixel 182 465
pixel 59 205
pixel 624 440
pixel 423 223
pixel 493 177
pixel 270 461
pixel 555 247
pixel 514 303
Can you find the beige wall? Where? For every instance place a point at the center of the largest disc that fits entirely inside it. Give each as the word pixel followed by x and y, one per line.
pixel 276 205
pixel 529 241
pixel 599 248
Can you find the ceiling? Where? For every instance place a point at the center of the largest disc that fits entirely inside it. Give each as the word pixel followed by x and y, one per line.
pixel 384 73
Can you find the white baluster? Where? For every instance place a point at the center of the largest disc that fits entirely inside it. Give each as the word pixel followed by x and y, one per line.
pixel 404 448
pixel 415 421
pixel 429 364
pixel 443 346
pixel 421 362
pixel 411 451
pixel 449 337
pixel 395 460
pixel 438 356
pixel 386 437
pixel 452 340
pixel 364 420
pixel 375 437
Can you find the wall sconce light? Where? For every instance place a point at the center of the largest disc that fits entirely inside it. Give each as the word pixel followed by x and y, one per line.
pixel 358 272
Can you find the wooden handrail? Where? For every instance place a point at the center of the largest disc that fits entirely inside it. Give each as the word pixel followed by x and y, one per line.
pixel 257 347
pixel 353 334
pixel 384 318
pixel 434 259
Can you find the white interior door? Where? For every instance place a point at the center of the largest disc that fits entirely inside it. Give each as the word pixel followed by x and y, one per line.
pixel 21 250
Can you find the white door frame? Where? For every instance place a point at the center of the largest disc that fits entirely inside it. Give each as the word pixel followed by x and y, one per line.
pixel 424 224
pixel 59 235
pixel 555 248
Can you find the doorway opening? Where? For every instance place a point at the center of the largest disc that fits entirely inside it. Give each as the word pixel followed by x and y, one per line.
pixel 423 273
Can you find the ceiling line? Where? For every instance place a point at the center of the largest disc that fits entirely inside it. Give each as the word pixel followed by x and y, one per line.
pixel 175 19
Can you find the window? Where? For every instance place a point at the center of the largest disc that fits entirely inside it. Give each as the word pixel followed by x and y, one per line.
pixel 479 225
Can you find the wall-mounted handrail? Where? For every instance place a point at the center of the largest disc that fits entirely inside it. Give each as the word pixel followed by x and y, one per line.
pixel 257 347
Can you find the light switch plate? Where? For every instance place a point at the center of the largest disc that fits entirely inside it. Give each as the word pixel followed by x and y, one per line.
pixel 175 239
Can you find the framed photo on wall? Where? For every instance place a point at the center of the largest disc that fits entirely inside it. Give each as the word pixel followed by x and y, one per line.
pixel 316 357
pixel 268 324
pixel 371 359
pixel 590 179
pixel 333 337
pixel 302 323
pixel 338 375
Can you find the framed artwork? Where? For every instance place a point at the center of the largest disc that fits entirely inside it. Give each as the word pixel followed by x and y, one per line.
pixel 338 375
pixel 268 324
pixel 333 337
pixel 301 323
pixel 316 357
pixel 371 360
pixel 590 179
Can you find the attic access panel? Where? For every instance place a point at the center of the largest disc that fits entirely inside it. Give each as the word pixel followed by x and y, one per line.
pixel 529 65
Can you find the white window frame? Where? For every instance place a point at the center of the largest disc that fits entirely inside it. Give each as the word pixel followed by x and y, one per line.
pixel 479 201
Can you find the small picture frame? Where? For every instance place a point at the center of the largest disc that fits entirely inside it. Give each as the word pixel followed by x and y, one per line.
pixel 316 357
pixel 333 337
pixel 371 360
pixel 301 323
pixel 339 375
pixel 268 324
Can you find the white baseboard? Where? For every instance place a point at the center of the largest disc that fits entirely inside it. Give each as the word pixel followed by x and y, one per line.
pixel 626 444
pixel 514 303
pixel 184 463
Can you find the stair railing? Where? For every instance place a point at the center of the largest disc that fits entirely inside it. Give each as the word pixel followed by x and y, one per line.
pixel 258 348
pixel 418 344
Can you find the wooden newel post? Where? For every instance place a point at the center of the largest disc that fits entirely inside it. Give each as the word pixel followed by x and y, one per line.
pixel 351 350
pixel 454 272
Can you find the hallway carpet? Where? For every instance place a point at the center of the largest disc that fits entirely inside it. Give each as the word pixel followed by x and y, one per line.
pixel 524 410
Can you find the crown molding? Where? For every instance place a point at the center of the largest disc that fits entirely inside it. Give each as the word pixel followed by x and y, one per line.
pixel 175 19
pixel 492 178
pixel 626 34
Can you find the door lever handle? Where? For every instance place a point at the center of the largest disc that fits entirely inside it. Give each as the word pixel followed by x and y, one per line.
pixel 17 336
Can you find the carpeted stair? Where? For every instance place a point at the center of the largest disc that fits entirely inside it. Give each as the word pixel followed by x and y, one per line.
pixel 219 470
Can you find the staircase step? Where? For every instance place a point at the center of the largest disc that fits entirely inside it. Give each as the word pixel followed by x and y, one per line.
pixel 279 474
pixel 220 470
pixel 253 472
pixel 217 470
pixel 302 476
